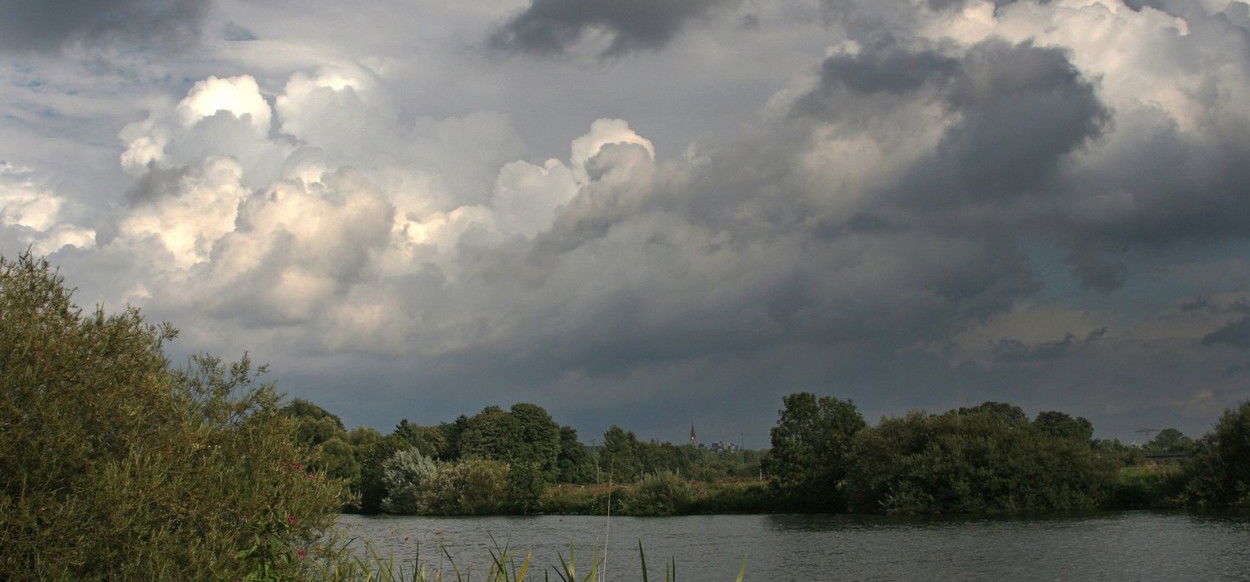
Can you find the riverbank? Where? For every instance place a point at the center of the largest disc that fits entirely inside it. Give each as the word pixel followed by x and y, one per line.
pixel 661 495
pixel 1147 486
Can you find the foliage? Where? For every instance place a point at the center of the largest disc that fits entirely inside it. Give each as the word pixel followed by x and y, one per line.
pixel 467 487
pixel 1148 486
pixel 1061 425
pixel 406 474
pixel 373 454
pixel 526 485
pixel 113 465
pixel 574 464
pixel 488 435
pixel 452 431
pixel 323 433
pixel 524 436
pixel 621 458
pixel 661 494
pixel 811 450
pixel 429 440
pixel 1170 440
pixel 536 442
pixel 1117 454
pixel 1220 470
pixel 974 460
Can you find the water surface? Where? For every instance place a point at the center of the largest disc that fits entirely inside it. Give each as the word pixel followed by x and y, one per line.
pixel 1135 545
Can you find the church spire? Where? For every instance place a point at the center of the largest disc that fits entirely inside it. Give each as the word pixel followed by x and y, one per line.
pixel 693 440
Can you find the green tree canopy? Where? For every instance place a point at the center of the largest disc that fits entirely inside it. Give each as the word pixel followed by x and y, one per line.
pixel 1220 470
pixel 575 463
pixel 1170 440
pixel 811 449
pixel 621 458
pixel 972 461
pixel 1061 425
pixel 428 439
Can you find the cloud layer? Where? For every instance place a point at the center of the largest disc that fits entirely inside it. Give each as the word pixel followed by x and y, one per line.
pixel 40 25
pixel 921 203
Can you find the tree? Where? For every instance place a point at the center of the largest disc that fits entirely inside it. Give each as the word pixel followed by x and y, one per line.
pixel 372 470
pixel 1009 413
pixel 574 463
pixel 428 439
pixel 536 441
pixel 1220 469
pixel 524 435
pixel 811 447
pixel 1170 440
pixel 488 435
pixel 451 434
pixel 323 433
pixel 621 456
pixel 116 465
pixel 1062 426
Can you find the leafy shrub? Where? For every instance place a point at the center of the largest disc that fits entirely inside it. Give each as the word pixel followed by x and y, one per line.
pixel 660 494
pixel 468 487
pixel 407 476
pixel 114 465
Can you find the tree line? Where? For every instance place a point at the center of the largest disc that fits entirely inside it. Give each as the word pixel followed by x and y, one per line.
pixel 992 458
pixel 492 462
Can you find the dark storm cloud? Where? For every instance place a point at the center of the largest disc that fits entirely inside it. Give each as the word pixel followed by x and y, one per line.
pixel 1095 271
pixel 888 70
pixel 1235 334
pixel 1020 111
pixel 659 262
pixel 1023 108
pixel 42 25
pixel 548 27
pixel 1013 351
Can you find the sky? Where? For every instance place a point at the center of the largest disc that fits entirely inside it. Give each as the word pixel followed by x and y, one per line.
pixel 653 213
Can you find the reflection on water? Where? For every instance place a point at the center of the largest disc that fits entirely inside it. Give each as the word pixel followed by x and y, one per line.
pixel 1104 546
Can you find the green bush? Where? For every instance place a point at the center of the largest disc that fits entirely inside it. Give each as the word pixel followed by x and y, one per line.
pixel 661 494
pixel 407 476
pixel 114 465
pixel 468 487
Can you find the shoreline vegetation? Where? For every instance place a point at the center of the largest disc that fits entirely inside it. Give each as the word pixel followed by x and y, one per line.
pixel 117 464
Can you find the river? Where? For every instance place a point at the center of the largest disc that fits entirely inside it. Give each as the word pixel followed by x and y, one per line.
pixel 1132 545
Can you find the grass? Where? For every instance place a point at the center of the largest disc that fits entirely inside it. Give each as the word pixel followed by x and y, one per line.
pixel 660 496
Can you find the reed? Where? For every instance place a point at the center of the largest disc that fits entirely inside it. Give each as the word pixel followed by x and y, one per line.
pixel 368 565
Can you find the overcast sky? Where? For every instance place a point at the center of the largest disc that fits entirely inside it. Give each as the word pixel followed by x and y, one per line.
pixel 655 212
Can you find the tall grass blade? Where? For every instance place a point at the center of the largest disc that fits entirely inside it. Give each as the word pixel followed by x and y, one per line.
pixel 451 561
pixel 642 556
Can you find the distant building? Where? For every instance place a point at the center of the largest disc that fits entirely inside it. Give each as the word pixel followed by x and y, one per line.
pixel 723 447
pixel 693 439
